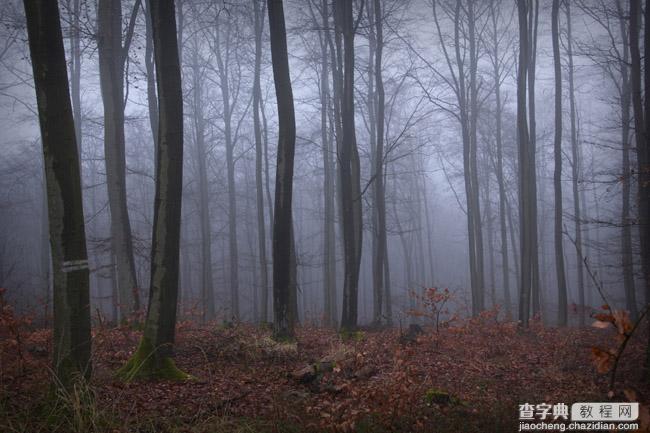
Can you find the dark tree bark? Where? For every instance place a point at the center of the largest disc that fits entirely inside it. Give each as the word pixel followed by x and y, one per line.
pixel 153 358
pixel 349 172
pixel 627 260
pixel 75 67
pixel 283 327
pixel 527 194
pixel 642 143
pixel 71 338
pixel 557 174
pixel 152 99
pixel 381 253
pixel 112 58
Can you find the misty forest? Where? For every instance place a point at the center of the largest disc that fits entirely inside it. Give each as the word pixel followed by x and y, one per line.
pixel 322 215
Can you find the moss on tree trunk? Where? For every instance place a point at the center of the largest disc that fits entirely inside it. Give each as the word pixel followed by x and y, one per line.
pixel 145 364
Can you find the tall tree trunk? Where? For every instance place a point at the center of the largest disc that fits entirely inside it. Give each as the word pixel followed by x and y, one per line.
pixel 478 304
pixel 526 220
pixel 513 243
pixel 72 337
pixel 261 230
pixel 75 68
pixel 642 143
pixel 153 356
pixel 626 220
pixel 533 13
pixel 349 172
pixel 329 239
pixel 645 255
pixel 283 327
pixel 496 64
pixel 490 232
pixel 152 100
pixel 228 105
pixel 575 172
pixel 381 259
pixel 557 174
pixel 207 288
pixel 112 57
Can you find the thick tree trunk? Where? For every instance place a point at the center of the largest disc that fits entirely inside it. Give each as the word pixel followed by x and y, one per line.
pixel 72 337
pixel 557 174
pixel 283 327
pixel 112 57
pixel 153 356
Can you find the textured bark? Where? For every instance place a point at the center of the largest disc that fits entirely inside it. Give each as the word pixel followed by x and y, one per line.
pixel 283 327
pixel 72 337
pixel 557 174
pixel 259 187
pixel 153 357
pixel 112 56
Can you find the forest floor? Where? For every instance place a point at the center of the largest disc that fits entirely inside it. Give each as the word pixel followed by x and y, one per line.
pixel 470 377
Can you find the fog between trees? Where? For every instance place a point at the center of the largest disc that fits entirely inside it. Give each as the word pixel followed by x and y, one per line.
pixel 384 147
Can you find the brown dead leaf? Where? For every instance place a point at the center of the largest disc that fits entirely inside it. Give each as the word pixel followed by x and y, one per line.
pixel 603 359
